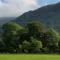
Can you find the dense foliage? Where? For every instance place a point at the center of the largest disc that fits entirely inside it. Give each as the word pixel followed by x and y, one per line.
pixel 33 38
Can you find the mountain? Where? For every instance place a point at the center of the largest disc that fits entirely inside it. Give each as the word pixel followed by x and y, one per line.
pixel 4 20
pixel 49 15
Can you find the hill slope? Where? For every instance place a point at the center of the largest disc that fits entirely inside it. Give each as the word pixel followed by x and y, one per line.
pixel 4 20
pixel 49 15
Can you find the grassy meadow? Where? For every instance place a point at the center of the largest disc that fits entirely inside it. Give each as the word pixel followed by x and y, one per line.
pixel 28 57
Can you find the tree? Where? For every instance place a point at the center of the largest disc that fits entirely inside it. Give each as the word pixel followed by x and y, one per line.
pixel 24 35
pixel 53 40
pixel 2 46
pixel 36 46
pixel 26 46
pixel 10 34
pixel 35 28
pixel 12 26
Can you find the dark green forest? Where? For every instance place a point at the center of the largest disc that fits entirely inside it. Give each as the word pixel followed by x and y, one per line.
pixel 34 37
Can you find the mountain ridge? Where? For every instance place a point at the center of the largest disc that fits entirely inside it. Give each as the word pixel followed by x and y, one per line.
pixel 49 15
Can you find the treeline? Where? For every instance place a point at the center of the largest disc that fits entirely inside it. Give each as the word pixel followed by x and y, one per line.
pixel 31 38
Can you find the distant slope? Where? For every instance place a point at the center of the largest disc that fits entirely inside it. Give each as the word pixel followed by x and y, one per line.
pixel 4 20
pixel 49 15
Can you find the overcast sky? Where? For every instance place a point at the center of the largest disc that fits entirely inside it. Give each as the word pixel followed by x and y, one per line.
pixel 11 8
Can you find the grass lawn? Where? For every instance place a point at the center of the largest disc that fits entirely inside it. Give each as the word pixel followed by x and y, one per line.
pixel 28 57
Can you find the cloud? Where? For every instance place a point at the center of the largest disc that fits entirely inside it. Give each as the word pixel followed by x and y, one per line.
pixel 16 7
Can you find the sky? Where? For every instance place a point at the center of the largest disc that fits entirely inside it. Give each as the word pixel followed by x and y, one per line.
pixel 14 8
pixel 46 2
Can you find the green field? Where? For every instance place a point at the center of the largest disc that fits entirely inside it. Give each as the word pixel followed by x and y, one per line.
pixel 29 57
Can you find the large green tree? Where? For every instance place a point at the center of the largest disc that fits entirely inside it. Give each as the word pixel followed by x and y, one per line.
pixel 53 39
pixel 10 34
pixel 36 29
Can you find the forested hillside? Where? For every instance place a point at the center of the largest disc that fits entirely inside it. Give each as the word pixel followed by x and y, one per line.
pixel 48 15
